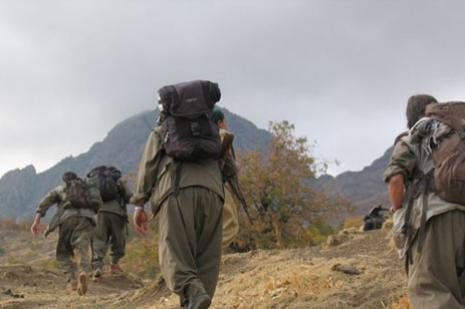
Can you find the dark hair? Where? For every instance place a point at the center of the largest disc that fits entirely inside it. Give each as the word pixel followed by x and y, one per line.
pixel 217 115
pixel 416 106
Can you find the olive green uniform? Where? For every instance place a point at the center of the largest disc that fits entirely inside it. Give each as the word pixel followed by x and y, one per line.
pixel 436 277
pixel 230 209
pixel 111 228
pixel 76 230
pixel 190 217
pixel 230 218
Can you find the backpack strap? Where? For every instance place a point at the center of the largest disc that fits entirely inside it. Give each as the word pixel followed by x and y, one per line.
pixel 177 177
pixel 422 231
pixel 423 186
pixel 407 228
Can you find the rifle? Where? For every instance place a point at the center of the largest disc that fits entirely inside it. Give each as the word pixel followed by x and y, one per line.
pixel 226 151
pixel 236 190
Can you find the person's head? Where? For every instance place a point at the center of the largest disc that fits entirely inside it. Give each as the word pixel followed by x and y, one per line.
pixel 69 176
pixel 218 118
pixel 416 106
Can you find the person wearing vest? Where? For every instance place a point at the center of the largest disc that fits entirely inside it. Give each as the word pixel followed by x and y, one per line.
pixel 75 228
pixel 429 231
pixel 188 198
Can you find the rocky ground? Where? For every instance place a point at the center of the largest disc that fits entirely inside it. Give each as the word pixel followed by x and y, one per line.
pixel 357 270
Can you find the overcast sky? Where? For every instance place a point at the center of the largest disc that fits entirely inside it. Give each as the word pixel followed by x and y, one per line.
pixel 340 70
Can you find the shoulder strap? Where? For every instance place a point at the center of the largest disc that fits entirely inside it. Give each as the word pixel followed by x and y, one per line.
pixel 400 136
pixel 177 177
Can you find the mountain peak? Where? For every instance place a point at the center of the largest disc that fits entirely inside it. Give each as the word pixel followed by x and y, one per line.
pixel 21 189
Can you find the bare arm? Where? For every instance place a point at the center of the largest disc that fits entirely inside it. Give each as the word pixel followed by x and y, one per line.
pixel 401 166
pixel 35 225
pixel 396 191
pixel 50 199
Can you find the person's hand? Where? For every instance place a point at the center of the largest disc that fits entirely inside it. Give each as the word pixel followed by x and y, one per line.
pixel 35 226
pixel 140 220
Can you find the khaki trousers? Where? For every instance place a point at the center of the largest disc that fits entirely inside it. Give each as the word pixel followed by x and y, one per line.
pixel 190 241
pixel 437 277
pixel 230 218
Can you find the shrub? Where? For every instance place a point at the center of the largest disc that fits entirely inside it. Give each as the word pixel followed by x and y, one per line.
pixel 288 211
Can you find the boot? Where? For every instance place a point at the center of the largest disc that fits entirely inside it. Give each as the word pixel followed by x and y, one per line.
pixel 97 277
pixel 82 283
pixel 72 286
pixel 200 301
pixel 115 269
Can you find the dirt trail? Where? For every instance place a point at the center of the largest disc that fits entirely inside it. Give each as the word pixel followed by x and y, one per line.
pixel 301 278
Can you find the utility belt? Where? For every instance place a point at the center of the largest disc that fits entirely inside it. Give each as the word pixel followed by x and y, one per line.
pixel 68 207
pixel 422 186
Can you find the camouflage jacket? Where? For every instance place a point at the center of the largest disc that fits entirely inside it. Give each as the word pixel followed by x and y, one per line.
pixel 118 207
pixel 57 197
pixel 157 171
pixel 412 158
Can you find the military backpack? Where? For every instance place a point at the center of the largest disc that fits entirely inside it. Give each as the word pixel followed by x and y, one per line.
pixel 187 130
pixel 449 152
pixel 106 179
pixel 77 194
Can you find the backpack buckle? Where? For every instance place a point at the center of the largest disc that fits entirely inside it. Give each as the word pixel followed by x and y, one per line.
pixel 195 129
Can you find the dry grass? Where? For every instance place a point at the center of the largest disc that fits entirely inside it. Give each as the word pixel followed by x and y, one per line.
pixel 9 224
pixel 403 303
pixel 353 222
pixel 293 279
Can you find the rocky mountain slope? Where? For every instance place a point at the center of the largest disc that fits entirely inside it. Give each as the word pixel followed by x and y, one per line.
pixel 364 188
pixel 21 189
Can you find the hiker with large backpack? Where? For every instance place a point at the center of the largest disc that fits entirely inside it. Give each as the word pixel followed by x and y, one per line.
pixel 426 183
pixel 180 177
pixel 77 202
pixel 112 218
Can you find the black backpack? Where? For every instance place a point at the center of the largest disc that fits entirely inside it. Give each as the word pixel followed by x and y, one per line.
pixel 187 130
pixel 106 178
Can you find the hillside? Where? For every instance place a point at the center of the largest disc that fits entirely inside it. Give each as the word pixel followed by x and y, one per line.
pixel 21 189
pixel 362 272
pixel 364 188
